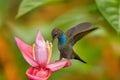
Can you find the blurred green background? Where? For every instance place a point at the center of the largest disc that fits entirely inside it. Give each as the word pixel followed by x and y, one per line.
pixel 100 49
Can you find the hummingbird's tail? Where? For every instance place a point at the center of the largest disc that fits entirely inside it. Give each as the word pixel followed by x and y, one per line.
pixel 78 58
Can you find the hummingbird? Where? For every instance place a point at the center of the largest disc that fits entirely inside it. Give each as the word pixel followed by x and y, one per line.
pixel 66 40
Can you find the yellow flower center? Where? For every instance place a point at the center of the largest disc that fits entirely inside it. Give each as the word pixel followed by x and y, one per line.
pixel 33 51
pixel 49 49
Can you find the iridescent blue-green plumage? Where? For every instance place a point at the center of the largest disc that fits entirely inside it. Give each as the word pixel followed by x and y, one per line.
pixel 67 40
pixel 62 39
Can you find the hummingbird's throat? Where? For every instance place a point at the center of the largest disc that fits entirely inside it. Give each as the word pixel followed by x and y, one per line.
pixel 62 39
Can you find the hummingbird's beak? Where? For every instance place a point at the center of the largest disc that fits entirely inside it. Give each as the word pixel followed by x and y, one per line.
pixel 53 37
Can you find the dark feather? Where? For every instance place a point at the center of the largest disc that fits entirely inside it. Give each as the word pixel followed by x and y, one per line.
pixel 78 36
pixel 78 29
pixel 78 58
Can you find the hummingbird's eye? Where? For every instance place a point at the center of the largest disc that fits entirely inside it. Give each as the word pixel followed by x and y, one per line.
pixel 56 33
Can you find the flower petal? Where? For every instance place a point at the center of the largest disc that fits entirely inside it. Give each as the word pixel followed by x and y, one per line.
pixel 38 73
pixel 26 51
pixel 59 65
pixel 41 53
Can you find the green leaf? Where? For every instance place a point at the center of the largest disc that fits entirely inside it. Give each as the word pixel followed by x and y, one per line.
pixel 28 5
pixel 110 10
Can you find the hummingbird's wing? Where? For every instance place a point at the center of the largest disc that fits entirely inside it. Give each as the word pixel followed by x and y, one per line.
pixel 76 33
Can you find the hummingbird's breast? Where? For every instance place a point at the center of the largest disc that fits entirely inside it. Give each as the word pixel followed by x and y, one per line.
pixel 65 51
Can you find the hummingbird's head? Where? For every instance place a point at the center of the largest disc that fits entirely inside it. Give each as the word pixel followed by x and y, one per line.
pixel 55 33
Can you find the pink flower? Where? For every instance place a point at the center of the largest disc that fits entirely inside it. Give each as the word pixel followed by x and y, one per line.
pixel 38 56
